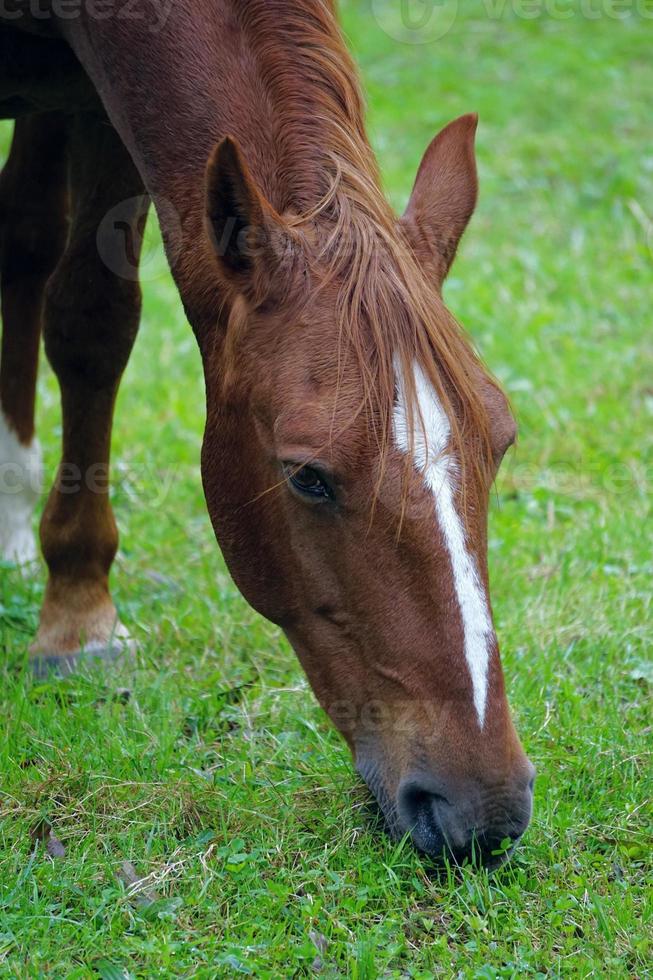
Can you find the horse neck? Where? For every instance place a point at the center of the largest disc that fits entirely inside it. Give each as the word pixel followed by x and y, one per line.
pixel 274 74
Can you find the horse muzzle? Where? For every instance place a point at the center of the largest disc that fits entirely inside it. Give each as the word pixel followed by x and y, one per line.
pixel 459 819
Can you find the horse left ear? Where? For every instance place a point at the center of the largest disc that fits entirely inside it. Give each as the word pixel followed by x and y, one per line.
pixel 247 234
pixel 444 196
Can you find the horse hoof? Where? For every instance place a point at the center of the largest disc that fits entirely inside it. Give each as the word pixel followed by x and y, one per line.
pixel 44 664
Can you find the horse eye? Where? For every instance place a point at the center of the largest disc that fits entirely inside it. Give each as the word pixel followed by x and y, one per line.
pixel 308 482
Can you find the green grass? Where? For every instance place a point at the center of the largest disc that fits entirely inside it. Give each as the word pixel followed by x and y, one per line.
pixel 219 778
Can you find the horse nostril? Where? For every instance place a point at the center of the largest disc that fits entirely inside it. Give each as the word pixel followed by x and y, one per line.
pixel 414 798
pixel 419 812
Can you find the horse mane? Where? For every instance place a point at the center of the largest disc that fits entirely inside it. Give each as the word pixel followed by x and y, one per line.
pixel 389 316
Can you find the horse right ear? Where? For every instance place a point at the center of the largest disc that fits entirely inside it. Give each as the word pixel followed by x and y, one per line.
pixel 247 234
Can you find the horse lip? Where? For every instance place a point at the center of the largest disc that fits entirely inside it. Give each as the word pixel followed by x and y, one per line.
pixel 371 776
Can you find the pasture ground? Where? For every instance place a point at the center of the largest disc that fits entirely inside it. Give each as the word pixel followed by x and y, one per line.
pixel 218 780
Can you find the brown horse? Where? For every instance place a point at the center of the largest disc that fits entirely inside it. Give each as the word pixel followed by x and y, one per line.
pixel 352 436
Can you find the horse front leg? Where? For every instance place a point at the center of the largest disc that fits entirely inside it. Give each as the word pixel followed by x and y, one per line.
pixel 33 202
pixel 92 312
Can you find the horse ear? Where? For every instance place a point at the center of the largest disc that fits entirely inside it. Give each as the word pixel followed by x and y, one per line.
pixel 444 195
pixel 246 232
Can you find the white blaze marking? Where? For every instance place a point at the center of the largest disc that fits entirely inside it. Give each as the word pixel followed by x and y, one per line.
pixel 429 444
pixel 20 482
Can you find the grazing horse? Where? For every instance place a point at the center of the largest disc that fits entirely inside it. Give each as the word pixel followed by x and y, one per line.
pixel 352 436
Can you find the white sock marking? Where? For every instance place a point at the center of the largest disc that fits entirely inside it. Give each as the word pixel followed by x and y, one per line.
pixel 20 484
pixel 439 471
